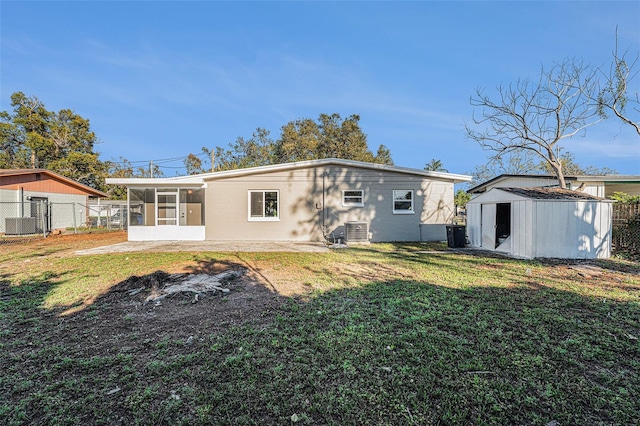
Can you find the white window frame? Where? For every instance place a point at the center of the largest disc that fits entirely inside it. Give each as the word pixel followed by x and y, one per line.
pixel 393 200
pixel 263 218
pixel 353 204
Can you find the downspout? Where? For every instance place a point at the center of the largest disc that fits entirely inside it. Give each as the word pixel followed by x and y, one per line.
pixel 324 228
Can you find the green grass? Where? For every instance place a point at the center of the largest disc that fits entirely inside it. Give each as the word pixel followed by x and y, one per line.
pixel 384 335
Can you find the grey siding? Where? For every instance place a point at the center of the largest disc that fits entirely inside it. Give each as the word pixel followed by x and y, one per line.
pixel 311 201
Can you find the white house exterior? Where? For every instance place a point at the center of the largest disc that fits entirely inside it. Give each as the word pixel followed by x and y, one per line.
pixel 540 222
pixel 314 200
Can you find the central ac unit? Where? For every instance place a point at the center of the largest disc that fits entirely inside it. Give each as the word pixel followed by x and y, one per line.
pixel 20 225
pixel 356 232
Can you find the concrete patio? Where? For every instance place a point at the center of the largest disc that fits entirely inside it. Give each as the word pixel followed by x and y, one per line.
pixel 214 246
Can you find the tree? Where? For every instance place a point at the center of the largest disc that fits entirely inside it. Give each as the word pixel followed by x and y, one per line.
pixel 300 140
pixel 255 151
pixel 383 156
pixel 435 166
pixel 461 198
pixel 571 168
pixel 537 116
pixel 193 164
pixel 614 97
pixel 123 168
pixel 63 142
pixel 329 137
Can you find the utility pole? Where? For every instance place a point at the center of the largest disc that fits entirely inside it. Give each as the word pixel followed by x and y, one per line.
pixel 213 160
pixel 151 168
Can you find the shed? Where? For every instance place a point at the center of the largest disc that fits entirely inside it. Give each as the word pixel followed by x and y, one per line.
pixel 540 222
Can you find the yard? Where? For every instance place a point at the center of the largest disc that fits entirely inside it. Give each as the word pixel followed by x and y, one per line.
pixel 376 334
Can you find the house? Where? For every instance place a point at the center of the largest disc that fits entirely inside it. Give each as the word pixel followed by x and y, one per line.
pixel 38 200
pixel 599 186
pixel 540 222
pixel 315 200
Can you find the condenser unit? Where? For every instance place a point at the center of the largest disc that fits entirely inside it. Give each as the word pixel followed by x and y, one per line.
pixel 20 225
pixel 356 232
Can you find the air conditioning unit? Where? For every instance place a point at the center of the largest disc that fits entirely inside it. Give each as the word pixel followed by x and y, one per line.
pixel 20 225
pixel 356 232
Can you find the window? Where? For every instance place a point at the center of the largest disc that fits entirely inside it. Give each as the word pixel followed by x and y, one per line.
pixel 403 201
pixel 353 197
pixel 263 205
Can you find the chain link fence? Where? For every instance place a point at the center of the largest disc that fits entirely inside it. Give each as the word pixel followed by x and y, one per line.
pixel 626 228
pixel 38 218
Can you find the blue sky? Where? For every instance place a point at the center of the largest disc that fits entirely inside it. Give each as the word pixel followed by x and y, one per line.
pixel 162 79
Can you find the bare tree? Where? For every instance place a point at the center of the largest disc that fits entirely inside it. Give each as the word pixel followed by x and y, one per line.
pixel 537 116
pixel 615 96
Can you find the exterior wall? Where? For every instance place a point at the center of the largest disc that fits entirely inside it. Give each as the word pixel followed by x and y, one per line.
pixel 63 207
pixel 572 229
pixel 522 182
pixel 9 195
pixel 310 200
pixel 630 188
pixel 592 188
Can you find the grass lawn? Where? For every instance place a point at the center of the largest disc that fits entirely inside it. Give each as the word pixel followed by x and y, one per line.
pixel 376 334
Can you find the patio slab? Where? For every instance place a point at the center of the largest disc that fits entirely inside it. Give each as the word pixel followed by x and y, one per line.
pixel 214 246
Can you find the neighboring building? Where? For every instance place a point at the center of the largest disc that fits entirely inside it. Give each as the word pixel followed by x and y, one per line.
pixel 599 186
pixel 31 193
pixel 540 222
pixel 314 200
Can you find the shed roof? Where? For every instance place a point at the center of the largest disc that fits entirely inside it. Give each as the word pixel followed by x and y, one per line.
pixel 80 186
pixel 482 187
pixel 551 194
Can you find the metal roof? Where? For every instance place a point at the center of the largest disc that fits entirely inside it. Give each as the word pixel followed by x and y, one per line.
pixel 551 194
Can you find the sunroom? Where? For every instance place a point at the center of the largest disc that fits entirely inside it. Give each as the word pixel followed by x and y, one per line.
pixel 166 213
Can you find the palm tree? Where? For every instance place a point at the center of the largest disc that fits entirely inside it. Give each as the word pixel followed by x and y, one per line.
pixel 435 166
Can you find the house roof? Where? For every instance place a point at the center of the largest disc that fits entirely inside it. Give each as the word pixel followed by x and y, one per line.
pixel 551 194
pixel 603 178
pixel 82 187
pixel 482 187
pixel 201 178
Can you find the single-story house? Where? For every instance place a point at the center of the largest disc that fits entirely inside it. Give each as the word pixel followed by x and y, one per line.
pixel 599 186
pixel 540 222
pixel 33 199
pixel 315 200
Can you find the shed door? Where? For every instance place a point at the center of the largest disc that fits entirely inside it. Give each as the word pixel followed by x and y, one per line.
pixel 488 226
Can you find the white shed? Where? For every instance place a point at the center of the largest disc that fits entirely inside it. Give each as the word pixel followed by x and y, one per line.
pixel 540 222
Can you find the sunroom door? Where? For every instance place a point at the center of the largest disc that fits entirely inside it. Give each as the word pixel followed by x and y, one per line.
pixel 167 208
